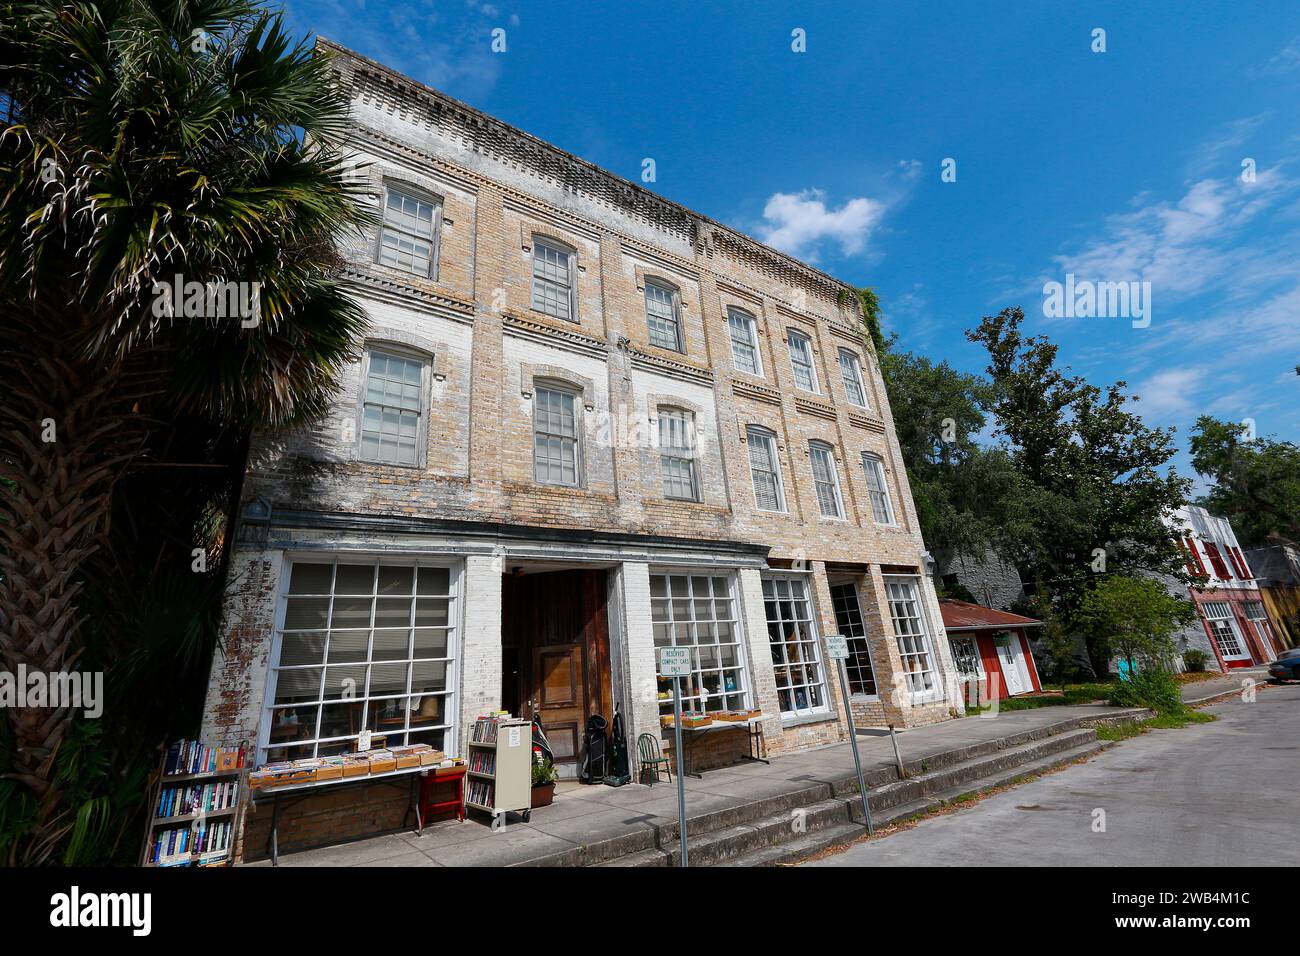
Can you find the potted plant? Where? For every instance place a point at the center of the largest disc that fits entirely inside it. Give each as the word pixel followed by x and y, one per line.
pixel 544 777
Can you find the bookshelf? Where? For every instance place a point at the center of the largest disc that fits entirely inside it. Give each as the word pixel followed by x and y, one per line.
pixel 499 772
pixel 196 807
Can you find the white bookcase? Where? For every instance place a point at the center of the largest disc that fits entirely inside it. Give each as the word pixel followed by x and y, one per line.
pixel 500 774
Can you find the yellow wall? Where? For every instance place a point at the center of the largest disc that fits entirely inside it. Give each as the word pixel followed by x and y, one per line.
pixel 1283 605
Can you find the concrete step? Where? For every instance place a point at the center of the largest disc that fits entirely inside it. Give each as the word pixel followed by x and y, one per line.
pixel 812 822
pixel 803 846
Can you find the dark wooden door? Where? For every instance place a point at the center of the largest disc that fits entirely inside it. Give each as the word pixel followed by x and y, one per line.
pixel 559 676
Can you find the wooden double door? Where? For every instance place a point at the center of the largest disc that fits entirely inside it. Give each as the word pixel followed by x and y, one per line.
pixel 555 655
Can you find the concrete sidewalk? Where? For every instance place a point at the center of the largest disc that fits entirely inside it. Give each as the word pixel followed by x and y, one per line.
pixel 598 824
pixel 1231 683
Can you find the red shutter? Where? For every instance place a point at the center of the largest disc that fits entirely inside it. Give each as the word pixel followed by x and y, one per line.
pixel 1200 565
pixel 1242 567
pixel 1216 559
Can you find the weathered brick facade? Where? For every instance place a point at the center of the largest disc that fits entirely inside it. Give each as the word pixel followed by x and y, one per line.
pixel 471 498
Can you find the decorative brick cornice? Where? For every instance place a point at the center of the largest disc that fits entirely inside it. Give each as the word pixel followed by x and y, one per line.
pixel 571 339
pixel 397 293
pixel 651 362
pixel 760 393
pixel 809 407
pixel 860 420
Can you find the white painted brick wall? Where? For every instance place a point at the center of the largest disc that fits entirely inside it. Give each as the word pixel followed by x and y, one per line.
pixel 480 644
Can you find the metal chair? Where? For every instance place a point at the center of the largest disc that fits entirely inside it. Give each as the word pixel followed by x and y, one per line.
pixel 652 758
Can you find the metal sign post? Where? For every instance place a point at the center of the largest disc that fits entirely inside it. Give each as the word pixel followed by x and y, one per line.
pixel 837 649
pixel 675 662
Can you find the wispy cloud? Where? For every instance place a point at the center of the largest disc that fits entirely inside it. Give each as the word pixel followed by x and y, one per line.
pixel 1169 393
pixel 1286 60
pixel 802 223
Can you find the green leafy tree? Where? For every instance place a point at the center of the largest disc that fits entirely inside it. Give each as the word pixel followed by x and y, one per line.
pixel 1256 483
pixel 1134 619
pixel 1097 479
pixel 144 139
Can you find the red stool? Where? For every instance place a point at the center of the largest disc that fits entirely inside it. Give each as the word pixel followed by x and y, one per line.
pixel 442 790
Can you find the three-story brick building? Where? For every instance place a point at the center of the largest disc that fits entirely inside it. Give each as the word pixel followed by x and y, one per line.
pixel 586 422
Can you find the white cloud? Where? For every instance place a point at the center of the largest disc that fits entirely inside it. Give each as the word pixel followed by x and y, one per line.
pixel 799 223
pixel 1169 393
pixel 1286 60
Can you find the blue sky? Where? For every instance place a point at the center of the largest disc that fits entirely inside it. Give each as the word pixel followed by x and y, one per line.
pixel 1123 165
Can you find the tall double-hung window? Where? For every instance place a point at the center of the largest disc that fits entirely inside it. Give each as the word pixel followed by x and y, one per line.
pixel 392 408
pixel 765 469
pixel 408 233
pixel 801 360
pixel 556 452
pixel 553 285
pixel 851 373
pixel 362 646
pixel 677 454
pixel 915 647
pixel 663 317
pixel 744 342
pixel 826 479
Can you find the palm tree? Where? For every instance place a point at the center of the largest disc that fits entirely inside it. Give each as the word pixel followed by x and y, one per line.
pixel 146 139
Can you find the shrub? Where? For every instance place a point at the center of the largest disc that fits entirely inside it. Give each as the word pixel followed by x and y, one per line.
pixel 1195 660
pixel 1154 689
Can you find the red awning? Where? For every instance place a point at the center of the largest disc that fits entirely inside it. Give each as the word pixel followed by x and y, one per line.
pixel 964 616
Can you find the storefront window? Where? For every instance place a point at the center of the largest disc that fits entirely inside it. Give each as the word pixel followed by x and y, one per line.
pixel 1219 616
pixel 699 611
pixel 848 618
pixel 796 658
pixel 913 638
pixel 362 645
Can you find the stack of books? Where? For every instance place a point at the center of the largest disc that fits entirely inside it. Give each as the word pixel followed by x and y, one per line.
pixel 200 798
pixel 191 756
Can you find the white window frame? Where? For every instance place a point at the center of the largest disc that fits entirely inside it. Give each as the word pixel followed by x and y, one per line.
pixel 811 645
pixel 874 466
pixel 1220 613
pixel 816 448
pixel 924 646
pixel 571 257
pixel 750 323
pixel 422 428
pixel 402 232
pixel 1257 615
pixel 851 374
pixel 954 639
pixel 450 696
pixel 674 303
pixel 768 438
pixel 665 622
pixel 808 363
pixel 855 632
pixel 576 396
pixel 675 452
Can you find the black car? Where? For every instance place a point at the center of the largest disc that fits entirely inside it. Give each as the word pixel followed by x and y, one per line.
pixel 1287 666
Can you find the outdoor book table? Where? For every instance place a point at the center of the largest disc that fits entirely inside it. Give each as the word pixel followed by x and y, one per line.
pixel 301 791
pixel 757 744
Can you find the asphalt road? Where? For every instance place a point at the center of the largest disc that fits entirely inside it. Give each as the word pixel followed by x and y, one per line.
pixel 1218 794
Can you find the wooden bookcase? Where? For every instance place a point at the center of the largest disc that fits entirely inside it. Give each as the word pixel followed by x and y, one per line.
pixel 499 778
pixel 207 820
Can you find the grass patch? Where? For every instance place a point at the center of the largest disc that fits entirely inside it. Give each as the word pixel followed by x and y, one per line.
pixel 1169 720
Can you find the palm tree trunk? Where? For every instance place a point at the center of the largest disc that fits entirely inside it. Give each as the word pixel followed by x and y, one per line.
pixel 67 430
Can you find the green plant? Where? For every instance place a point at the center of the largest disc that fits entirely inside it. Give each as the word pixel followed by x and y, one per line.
pixel 1153 689
pixel 544 772
pixel 1195 660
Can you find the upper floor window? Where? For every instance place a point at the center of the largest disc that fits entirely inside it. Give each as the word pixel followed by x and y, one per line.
pixel 677 453
pixel 392 408
pixel 407 235
pixel 851 371
pixel 744 342
pixel 555 436
pixel 805 376
pixel 765 469
pixel 662 316
pixel 553 279
pixel 826 480
pixel 882 509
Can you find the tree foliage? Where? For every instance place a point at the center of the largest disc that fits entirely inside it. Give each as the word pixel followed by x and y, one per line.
pixel 1134 619
pixel 1256 483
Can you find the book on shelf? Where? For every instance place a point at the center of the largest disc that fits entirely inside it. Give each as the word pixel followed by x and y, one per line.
pixel 194 757
pixel 481 792
pixel 482 761
pixel 178 846
pixel 197 798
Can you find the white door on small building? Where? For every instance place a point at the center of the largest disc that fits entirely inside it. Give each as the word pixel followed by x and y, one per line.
pixel 1009 653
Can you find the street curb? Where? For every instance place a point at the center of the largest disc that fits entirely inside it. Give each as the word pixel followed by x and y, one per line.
pixel 1222 695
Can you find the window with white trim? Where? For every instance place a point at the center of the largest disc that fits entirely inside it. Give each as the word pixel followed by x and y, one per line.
pixel 744 342
pixel 408 233
pixel 848 619
pixel 677 453
pixel 1223 628
pixel 662 315
pixel 392 408
pixel 362 645
pixel 796 658
pixel 826 479
pixel 913 637
pixel 555 436
pixel 851 372
pixel 765 469
pixel 882 507
pixel 1258 617
pixel 801 360
pixel 553 279
pixel 965 656
pixel 699 611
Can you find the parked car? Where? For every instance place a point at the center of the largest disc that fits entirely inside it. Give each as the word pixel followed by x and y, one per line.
pixel 1287 666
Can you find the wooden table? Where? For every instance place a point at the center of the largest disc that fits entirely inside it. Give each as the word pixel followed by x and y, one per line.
pixel 757 743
